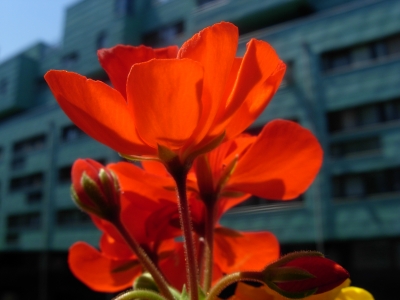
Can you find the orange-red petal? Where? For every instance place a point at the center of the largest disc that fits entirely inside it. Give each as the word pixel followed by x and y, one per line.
pixel 259 77
pixel 165 97
pixel 244 251
pixel 98 110
pixel 134 179
pixel 117 61
pixel 99 272
pixel 215 48
pixel 281 164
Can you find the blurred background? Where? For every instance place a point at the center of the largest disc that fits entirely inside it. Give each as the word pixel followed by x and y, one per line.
pixel 342 82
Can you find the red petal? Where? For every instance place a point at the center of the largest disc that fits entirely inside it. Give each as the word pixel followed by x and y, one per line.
pixel 165 98
pixel 281 164
pixel 244 251
pixel 117 61
pixel 258 79
pixel 215 48
pixel 101 273
pixel 98 110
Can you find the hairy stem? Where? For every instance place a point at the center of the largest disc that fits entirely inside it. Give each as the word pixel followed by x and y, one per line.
pixel 209 245
pixel 139 294
pixel 146 262
pixel 232 278
pixel 186 225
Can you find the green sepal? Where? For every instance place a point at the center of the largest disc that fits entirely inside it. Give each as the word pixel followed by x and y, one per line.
pixel 227 232
pixel 204 176
pixel 191 156
pixel 231 194
pixel 294 255
pixel 145 282
pixel 290 295
pixel 85 208
pixel 125 266
pixel 185 296
pixel 135 158
pixel 166 155
pixel 92 190
pixel 284 274
pixel 139 294
pixel 110 188
pixel 226 174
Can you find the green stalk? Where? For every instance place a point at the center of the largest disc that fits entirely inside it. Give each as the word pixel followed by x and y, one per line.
pixel 140 294
pixel 232 278
pixel 186 225
pixel 209 245
pixel 145 261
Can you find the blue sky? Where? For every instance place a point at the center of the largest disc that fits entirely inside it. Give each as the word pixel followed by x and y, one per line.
pixel 25 22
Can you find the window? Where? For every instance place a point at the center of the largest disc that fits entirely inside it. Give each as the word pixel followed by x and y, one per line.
pixel 101 40
pixel 70 61
pixel 202 2
pixel 354 55
pixel 71 133
pixel 355 147
pixel 72 217
pixel 18 163
pixel 3 86
pixel 29 145
pixel 124 7
pixel 33 181
pixel 361 116
pixel 24 221
pixel 158 2
pixel 12 239
pixel 34 197
pixel 359 185
pixel 164 36
pixel 64 175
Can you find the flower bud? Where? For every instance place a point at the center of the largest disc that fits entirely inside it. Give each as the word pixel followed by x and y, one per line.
pixel 145 282
pixel 95 189
pixel 301 274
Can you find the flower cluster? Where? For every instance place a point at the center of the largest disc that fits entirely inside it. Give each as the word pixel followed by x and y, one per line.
pixel 182 113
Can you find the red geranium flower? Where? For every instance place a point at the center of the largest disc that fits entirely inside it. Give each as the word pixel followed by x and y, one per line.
pixel 186 101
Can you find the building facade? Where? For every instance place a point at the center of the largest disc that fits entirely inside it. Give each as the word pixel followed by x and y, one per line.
pixel 342 82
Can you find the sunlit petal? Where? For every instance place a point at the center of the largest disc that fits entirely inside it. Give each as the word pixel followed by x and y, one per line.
pixel 98 110
pixel 166 108
pixel 281 164
pixel 99 272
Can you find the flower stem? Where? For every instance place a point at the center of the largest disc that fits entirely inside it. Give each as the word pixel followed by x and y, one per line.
pixel 186 225
pixel 232 278
pixel 209 245
pixel 145 261
pixel 140 294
